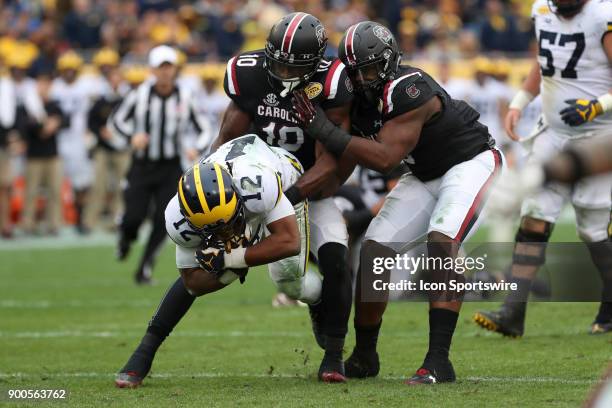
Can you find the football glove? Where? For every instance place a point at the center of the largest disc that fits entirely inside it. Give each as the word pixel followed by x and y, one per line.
pixel 212 260
pixel 580 111
pixel 304 111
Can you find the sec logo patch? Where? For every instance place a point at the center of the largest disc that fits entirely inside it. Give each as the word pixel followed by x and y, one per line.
pixel 313 89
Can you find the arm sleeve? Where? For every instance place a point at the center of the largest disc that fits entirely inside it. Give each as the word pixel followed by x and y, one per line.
pixel 231 84
pixel 338 89
pixel 121 121
pixel 281 210
pixel 404 94
pixel 261 189
pixel 604 16
pixel 177 228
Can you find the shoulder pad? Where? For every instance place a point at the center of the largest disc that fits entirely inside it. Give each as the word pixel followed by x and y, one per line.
pixel 259 186
pixel 406 93
pixel 177 227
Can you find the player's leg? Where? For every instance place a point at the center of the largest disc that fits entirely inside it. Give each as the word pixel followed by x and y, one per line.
pixel 137 196
pixel 592 202
pixel 291 275
pixel 402 220
pixel 33 175
pixel 461 195
pixel 98 191
pixel 174 305
pixel 167 179
pixel 329 241
pixel 539 212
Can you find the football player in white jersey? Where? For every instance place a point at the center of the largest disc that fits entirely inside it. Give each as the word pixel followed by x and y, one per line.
pixel 74 97
pixel 230 213
pixel 573 75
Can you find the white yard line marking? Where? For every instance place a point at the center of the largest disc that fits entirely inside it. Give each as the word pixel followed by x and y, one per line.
pixel 133 333
pixel 553 380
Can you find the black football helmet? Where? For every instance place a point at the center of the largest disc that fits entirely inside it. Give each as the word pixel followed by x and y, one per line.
pixel 294 49
pixel 371 56
pixel 566 8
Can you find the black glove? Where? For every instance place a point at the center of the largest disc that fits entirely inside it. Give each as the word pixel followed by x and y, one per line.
pixel 314 121
pixel 212 260
pixel 580 111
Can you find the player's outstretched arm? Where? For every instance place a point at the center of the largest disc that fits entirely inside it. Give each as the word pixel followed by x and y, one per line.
pixel 324 177
pixel 283 242
pixel 396 139
pixel 580 111
pixel 529 90
pixel 235 123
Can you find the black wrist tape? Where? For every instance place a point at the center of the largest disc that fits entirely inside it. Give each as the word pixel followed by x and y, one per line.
pixel 293 195
pixel 334 138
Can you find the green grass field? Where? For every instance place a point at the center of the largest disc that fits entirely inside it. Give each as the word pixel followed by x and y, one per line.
pixel 70 318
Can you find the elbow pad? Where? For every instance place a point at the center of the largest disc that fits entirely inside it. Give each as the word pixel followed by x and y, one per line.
pixel 334 138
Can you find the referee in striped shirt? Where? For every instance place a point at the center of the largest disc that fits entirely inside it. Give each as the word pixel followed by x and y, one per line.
pixel 160 123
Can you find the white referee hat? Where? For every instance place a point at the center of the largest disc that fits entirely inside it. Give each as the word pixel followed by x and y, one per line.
pixel 162 54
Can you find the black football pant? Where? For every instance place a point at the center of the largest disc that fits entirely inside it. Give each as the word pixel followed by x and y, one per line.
pixel 149 183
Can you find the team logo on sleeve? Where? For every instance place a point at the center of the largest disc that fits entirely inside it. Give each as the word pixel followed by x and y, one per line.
pixel 348 84
pixel 271 100
pixel 313 89
pixel 382 33
pixel 320 33
pixel 413 91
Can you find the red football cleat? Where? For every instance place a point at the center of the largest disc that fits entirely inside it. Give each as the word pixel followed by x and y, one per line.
pixel 332 377
pixel 130 379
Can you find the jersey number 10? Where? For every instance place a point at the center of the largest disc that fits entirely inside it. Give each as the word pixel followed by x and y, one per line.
pixel 570 69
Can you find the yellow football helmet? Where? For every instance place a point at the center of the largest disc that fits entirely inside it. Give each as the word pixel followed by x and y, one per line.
pixel 209 201
pixel 69 60
pixel 106 56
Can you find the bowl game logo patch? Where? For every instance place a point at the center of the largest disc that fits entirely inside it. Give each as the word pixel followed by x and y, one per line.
pixel 313 89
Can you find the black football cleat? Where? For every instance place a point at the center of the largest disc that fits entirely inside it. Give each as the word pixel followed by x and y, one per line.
pixel 129 379
pixel 316 317
pixel 332 369
pixel 362 365
pixel 509 320
pixel 435 372
pixel 123 248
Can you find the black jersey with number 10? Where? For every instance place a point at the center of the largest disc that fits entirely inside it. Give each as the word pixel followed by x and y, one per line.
pixel 246 83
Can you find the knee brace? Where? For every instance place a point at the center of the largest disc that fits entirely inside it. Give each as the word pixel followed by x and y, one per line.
pixel 533 239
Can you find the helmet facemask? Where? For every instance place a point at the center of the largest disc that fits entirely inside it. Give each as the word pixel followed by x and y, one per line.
pixel 369 77
pixel 288 75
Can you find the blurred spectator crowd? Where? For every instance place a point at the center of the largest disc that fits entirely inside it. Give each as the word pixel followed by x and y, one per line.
pixel 65 64
pixel 215 30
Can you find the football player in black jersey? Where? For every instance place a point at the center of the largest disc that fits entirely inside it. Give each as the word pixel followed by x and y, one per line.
pixel 260 85
pixel 453 163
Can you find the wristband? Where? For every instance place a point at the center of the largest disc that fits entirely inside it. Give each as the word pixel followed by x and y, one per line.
pixel 293 195
pixel 334 138
pixel 521 99
pixel 605 101
pixel 235 259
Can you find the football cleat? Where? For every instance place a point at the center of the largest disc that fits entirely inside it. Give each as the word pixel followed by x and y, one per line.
pixel 332 369
pixel 507 321
pixel 129 379
pixel 316 317
pixel 123 248
pixel 442 373
pixel 362 365
pixel 600 328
